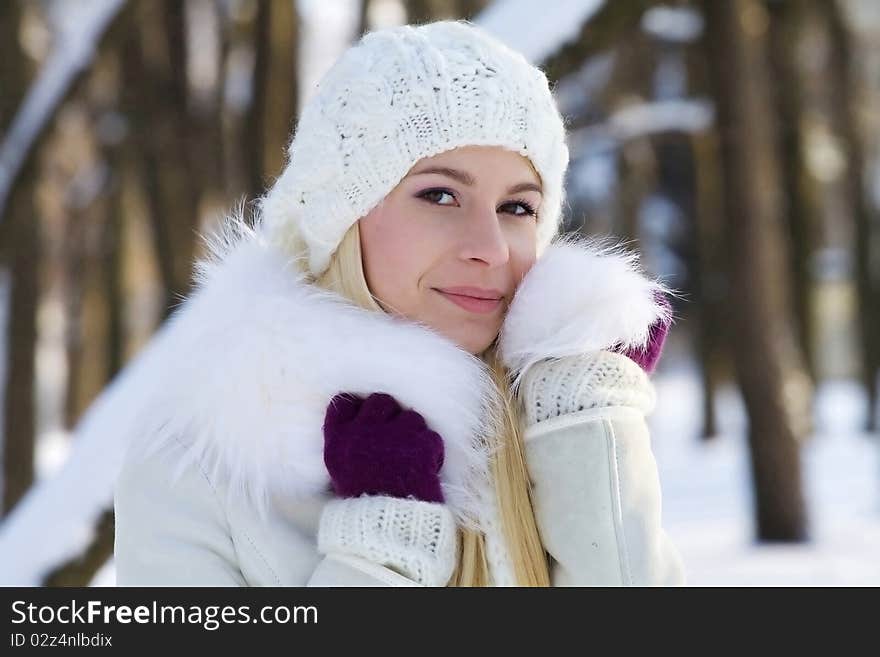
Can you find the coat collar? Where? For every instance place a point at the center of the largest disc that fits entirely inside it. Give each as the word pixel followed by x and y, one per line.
pixel 243 371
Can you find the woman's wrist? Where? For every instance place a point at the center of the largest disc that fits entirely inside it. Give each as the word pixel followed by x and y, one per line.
pixel 598 379
pixel 414 538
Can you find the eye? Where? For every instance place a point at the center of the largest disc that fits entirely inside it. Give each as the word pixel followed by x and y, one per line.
pixel 527 209
pixel 431 194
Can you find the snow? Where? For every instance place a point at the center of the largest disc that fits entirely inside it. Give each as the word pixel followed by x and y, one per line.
pixel 676 24
pixel 536 34
pixel 68 498
pixel 642 119
pixel 707 498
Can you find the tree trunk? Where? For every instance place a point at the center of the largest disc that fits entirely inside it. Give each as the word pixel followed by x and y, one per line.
pixel 155 101
pixel 20 253
pixel 272 115
pixel 637 176
pixel 364 17
pixel 710 278
pixel 844 91
pixel 801 205
pixel 630 83
pixel 95 345
pixel 81 570
pixel 710 275
pixel 767 360
pixel 425 11
pixel 93 276
pixel 470 8
pixel 206 117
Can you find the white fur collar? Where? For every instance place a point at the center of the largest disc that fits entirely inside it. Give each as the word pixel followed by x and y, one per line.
pixel 246 366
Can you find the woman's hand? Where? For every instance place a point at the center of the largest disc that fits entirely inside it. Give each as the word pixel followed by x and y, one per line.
pixel 582 297
pixel 374 447
pixel 648 356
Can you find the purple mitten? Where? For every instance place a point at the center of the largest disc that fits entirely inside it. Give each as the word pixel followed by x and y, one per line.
pixel 648 357
pixel 374 447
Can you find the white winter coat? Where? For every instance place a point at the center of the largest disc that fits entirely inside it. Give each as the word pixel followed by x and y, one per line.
pixel 224 482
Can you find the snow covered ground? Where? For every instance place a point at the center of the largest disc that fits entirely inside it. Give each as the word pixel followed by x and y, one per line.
pixel 707 499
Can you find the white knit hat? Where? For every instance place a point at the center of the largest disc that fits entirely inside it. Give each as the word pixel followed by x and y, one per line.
pixel 399 95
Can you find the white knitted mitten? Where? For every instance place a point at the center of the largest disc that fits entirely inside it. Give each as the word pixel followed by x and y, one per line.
pixel 597 379
pixel 417 539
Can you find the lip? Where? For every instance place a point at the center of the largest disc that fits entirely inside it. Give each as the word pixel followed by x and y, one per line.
pixel 473 304
pixel 474 292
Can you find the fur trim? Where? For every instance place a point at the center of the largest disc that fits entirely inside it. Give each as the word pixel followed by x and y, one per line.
pixel 249 362
pixel 580 296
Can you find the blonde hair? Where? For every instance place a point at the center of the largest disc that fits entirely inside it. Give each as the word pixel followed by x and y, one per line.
pixel 345 276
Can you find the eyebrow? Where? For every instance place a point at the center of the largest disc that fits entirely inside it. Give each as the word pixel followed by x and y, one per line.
pixel 467 179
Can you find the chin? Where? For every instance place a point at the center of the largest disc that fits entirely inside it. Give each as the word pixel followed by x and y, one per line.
pixel 468 342
pixel 475 348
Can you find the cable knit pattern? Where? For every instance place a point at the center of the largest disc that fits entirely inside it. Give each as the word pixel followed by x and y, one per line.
pixel 598 379
pixel 414 538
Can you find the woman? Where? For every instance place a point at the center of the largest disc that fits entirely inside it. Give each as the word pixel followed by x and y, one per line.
pixel 395 378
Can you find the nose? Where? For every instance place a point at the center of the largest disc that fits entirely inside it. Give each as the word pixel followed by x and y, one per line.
pixel 484 239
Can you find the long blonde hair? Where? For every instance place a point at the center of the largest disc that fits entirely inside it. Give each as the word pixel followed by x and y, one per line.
pixel 345 276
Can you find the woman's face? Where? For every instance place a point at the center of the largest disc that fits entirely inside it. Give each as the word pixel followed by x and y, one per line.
pixel 460 219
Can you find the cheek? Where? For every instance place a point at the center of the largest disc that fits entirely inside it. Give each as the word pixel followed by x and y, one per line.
pixel 392 255
pixel 523 253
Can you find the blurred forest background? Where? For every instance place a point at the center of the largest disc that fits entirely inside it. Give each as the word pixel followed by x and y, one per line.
pixel 733 142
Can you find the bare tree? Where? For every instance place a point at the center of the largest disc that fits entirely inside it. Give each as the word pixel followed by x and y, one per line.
pixel 155 102
pixel 92 254
pixel 709 275
pixel 272 113
pixel 92 263
pixel 800 202
pixel 844 91
pixel 364 17
pixel 630 83
pixel 80 570
pixel 705 256
pixel 766 357
pixel 470 8
pixel 19 251
pixel 424 11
